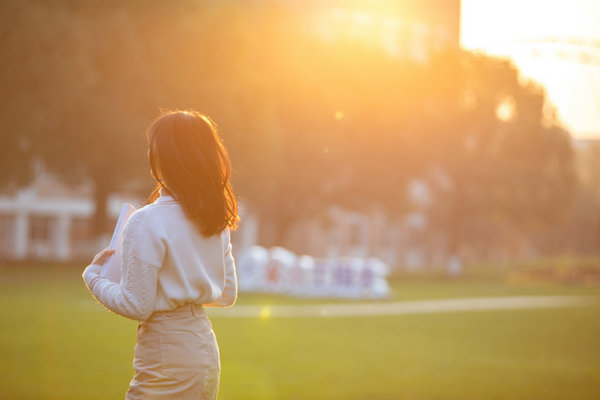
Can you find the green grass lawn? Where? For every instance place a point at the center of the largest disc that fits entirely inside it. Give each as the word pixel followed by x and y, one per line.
pixel 56 342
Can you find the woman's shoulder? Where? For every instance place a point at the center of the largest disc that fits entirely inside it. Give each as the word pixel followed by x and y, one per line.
pixel 160 217
pixel 149 214
pixel 140 214
pixel 148 222
pixel 158 209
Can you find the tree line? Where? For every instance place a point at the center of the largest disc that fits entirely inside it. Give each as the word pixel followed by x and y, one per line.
pixel 308 123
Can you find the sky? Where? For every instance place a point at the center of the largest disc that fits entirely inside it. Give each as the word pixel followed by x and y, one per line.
pixel 554 42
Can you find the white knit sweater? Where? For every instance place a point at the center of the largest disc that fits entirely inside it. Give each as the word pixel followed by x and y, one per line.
pixel 166 262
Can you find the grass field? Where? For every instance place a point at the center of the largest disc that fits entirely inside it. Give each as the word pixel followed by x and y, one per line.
pixel 57 343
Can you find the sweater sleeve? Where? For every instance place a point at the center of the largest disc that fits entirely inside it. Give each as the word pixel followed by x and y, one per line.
pixel 229 295
pixel 142 254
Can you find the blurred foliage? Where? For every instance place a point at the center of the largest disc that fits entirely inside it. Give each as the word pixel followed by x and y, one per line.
pixel 497 151
pixel 308 123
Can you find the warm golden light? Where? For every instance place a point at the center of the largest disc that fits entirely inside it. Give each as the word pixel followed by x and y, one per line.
pixel 265 312
pixel 541 38
pixel 506 109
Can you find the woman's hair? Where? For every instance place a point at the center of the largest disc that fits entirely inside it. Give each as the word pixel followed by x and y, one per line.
pixel 189 160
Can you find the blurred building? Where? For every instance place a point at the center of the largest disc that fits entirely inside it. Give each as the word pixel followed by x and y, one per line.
pixel 408 242
pixel 49 220
pixel 52 221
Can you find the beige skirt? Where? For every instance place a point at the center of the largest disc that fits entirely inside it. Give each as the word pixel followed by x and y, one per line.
pixel 176 356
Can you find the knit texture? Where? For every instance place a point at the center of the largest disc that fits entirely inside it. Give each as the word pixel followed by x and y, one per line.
pixel 166 263
pixel 134 296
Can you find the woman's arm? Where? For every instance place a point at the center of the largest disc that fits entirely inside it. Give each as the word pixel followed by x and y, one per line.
pixel 229 295
pixel 134 296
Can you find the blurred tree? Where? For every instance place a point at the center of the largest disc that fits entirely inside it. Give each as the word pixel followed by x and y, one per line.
pixel 24 88
pixel 83 80
pixel 75 93
pixel 309 123
pixel 580 233
pixel 334 119
pixel 498 145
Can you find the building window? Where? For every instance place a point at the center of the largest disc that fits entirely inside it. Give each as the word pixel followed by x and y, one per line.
pixel 81 228
pixel 7 233
pixel 41 236
pixel 40 228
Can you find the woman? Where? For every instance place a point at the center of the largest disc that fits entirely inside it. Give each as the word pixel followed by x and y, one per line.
pixel 176 260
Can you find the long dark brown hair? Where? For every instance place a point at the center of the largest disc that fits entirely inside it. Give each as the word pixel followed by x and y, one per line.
pixel 188 159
